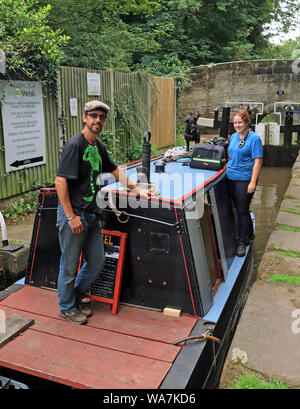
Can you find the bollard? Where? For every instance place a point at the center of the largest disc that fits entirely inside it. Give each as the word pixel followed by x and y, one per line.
pixel 216 118
pixel 7 246
pixel 225 122
pixel 288 126
pixel 3 231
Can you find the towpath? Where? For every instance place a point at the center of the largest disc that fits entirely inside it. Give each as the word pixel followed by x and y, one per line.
pixel 267 339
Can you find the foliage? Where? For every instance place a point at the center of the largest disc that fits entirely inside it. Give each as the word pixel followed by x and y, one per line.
pixel 201 32
pixel 286 50
pixel 20 208
pixel 116 149
pixel 31 47
pixel 131 153
pixel 99 36
pixel 251 381
pixel 161 37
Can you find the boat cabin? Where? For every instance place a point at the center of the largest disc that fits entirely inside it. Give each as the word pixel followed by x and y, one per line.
pixel 173 252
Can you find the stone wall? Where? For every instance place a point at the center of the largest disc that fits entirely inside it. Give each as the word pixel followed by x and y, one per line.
pixel 211 86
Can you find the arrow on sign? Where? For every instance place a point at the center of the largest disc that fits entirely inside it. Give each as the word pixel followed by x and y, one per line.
pixel 23 162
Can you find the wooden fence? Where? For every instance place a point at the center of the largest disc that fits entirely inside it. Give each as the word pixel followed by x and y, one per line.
pixel 138 103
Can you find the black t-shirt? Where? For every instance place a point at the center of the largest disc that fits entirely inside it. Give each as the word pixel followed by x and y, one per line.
pixel 81 163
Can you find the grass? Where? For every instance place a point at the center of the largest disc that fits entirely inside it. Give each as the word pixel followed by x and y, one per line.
pixel 288 228
pixel 286 253
pixel 245 381
pixel 285 278
pixel 291 211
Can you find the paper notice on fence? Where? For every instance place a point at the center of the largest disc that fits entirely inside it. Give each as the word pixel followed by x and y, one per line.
pixel 23 124
pixel 73 107
pixel 93 83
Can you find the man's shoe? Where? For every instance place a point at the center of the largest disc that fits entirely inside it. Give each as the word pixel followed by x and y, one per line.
pixel 85 309
pixel 241 250
pixel 74 316
pixel 86 300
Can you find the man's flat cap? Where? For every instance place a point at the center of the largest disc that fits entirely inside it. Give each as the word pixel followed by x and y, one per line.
pixel 89 106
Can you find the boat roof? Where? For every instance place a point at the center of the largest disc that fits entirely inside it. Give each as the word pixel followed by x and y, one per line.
pixel 176 183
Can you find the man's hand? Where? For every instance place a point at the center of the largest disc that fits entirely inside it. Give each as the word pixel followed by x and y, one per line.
pixel 76 225
pixel 143 193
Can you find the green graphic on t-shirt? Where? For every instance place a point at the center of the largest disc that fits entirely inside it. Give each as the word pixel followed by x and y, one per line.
pixel 92 156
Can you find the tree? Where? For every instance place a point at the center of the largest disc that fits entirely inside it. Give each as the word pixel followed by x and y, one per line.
pixel 31 47
pixel 164 37
pixel 99 36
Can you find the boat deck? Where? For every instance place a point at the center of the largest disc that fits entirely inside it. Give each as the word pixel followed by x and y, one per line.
pixel 129 350
pixel 175 183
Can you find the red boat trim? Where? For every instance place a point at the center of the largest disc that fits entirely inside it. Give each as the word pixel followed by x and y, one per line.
pixel 175 202
pixel 181 199
pixel 140 160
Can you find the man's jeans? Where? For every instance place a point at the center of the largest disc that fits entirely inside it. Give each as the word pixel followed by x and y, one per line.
pixel 71 287
pixel 237 190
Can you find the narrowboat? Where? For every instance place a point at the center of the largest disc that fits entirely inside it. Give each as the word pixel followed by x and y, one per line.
pixel 166 305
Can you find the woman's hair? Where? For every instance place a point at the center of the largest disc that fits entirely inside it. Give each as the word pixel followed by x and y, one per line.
pixel 242 113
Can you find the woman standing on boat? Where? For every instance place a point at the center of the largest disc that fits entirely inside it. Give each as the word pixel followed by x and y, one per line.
pixel 245 158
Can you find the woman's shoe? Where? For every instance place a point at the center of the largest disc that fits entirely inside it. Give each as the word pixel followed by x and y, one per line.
pixel 241 250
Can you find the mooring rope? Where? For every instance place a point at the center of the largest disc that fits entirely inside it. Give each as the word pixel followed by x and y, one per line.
pixel 150 187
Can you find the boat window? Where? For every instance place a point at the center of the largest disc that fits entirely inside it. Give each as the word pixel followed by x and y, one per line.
pixel 224 224
pixel 210 246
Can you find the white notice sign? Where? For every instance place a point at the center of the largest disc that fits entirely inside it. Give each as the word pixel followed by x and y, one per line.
pixel 93 83
pixel 73 107
pixel 23 124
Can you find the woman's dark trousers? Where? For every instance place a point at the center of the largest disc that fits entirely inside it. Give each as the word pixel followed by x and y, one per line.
pixel 237 190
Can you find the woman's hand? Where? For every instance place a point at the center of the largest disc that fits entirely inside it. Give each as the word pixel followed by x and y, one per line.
pixel 251 187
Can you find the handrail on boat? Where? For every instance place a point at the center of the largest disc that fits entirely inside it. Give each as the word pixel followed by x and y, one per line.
pixel 202 336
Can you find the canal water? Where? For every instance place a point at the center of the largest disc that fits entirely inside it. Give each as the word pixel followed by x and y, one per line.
pixel 265 204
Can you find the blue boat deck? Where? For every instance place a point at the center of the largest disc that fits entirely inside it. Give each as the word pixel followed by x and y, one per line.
pixel 175 183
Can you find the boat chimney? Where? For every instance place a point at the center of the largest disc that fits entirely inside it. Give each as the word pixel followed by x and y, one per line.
pixel 143 172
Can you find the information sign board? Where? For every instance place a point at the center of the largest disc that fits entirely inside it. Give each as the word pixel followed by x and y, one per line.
pixel 107 286
pixel 23 124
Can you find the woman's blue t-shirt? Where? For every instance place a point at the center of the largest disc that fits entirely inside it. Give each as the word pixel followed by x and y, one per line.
pixel 241 160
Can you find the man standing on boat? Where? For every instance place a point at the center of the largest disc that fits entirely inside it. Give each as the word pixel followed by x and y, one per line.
pixel 82 160
pixel 245 159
